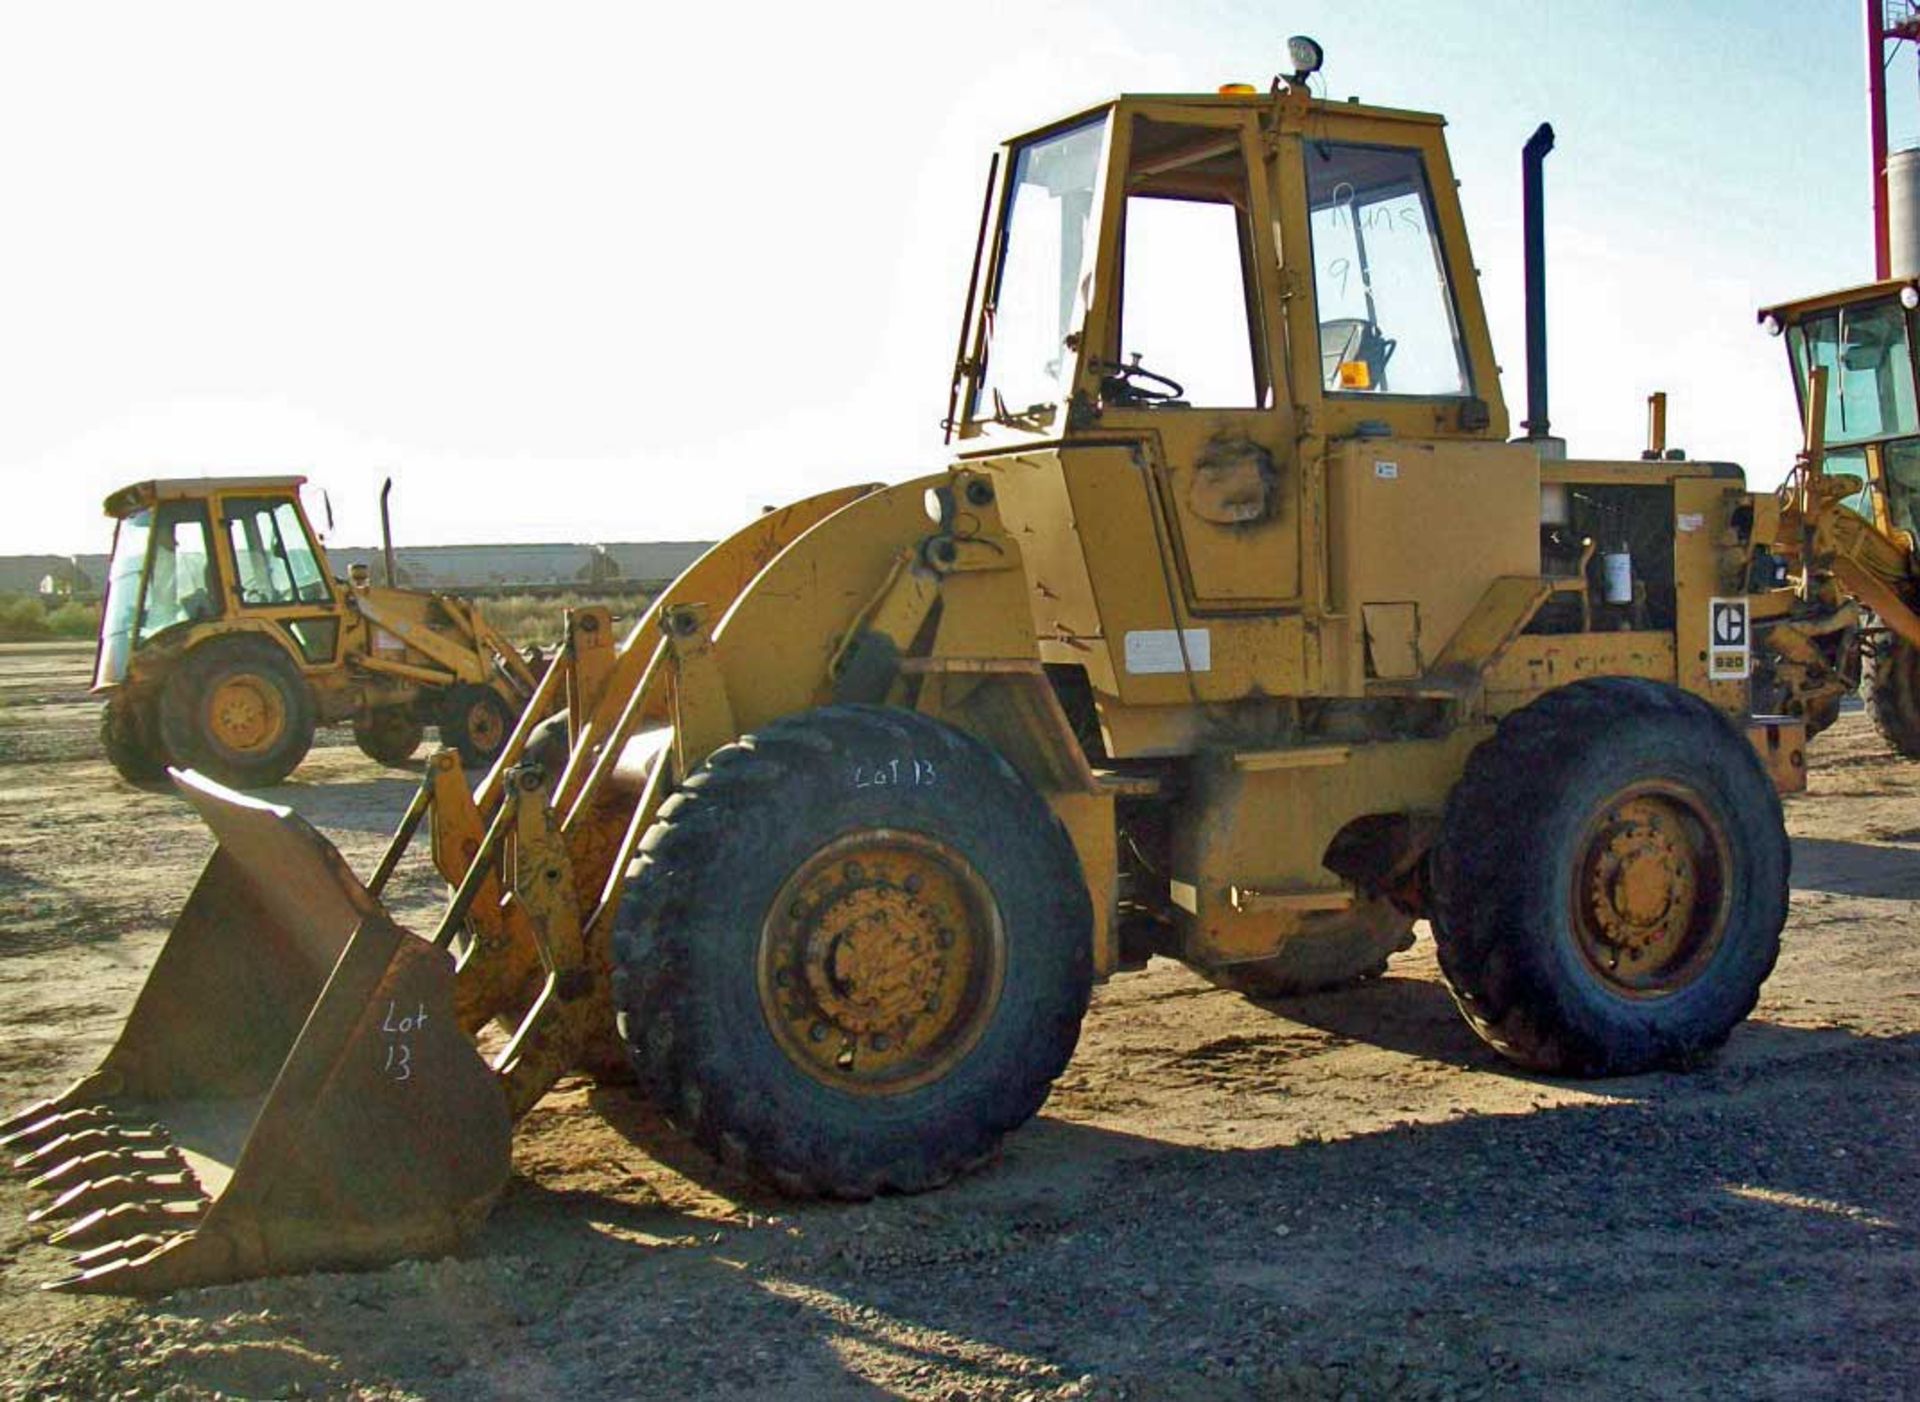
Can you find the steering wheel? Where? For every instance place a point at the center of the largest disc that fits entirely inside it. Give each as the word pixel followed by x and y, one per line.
pixel 1120 384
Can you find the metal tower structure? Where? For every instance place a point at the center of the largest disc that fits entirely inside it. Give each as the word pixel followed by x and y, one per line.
pixel 1890 23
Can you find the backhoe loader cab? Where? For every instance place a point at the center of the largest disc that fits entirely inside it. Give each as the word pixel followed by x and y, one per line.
pixel 171 567
pixel 1854 504
pixel 225 639
pixel 1237 633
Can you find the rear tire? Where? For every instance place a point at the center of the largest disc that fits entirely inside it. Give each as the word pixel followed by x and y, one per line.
pixel 1318 960
pixel 854 953
pixel 1611 880
pixel 389 735
pixel 475 721
pixel 1892 684
pixel 237 710
pixel 127 735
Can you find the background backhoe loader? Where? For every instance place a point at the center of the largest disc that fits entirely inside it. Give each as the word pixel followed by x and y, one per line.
pixel 226 639
pixel 1851 523
pixel 1237 632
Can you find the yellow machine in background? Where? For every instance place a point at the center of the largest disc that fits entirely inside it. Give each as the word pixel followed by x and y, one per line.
pixel 1850 514
pixel 1237 632
pixel 225 640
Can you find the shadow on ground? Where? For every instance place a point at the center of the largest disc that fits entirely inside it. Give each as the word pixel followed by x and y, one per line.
pixel 1625 1247
pixel 1856 869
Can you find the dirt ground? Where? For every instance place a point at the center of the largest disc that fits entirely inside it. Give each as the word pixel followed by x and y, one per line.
pixel 1343 1196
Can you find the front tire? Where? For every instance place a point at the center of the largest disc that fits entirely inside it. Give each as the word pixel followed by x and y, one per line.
pixel 477 722
pixel 855 952
pixel 127 735
pixel 1611 880
pixel 1892 686
pixel 237 710
pixel 388 735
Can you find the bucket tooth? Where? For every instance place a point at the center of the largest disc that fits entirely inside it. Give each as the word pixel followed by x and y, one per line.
pixel 87 1141
pixel 130 1219
pixel 103 1162
pixel 23 1120
pixel 29 1130
pixel 119 1188
pixel 104 1267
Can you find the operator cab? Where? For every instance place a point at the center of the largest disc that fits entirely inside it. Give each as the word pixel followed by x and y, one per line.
pixel 1864 339
pixel 1239 334
pixel 189 551
pixel 1153 255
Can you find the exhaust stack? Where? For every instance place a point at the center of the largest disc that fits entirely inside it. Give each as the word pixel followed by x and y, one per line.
pixel 386 530
pixel 1533 206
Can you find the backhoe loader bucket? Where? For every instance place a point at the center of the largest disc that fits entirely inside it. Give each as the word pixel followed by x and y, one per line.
pixel 290 1091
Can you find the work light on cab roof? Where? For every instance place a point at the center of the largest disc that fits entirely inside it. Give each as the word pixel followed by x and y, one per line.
pixel 1306 56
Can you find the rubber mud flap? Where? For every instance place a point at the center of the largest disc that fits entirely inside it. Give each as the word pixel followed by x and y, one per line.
pixel 291 1090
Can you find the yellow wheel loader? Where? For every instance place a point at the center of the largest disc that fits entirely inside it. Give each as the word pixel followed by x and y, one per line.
pixel 1851 510
pixel 1237 632
pixel 225 639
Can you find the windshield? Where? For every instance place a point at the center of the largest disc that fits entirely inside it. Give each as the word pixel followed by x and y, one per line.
pixel 1869 369
pixel 1043 250
pixel 1387 323
pixel 123 596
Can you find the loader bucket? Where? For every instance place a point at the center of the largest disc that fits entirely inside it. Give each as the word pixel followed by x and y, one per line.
pixel 290 1091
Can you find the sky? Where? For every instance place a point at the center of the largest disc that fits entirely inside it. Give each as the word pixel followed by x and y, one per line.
pixel 593 271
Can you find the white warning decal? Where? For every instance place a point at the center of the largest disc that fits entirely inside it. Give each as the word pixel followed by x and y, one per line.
pixel 1729 640
pixel 1153 650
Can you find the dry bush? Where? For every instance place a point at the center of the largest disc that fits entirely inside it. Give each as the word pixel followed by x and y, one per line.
pixel 75 620
pixel 22 620
pixel 526 618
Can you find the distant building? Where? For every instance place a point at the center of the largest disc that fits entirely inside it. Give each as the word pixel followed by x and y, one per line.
pixel 61 576
pixel 504 569
pixel 623 567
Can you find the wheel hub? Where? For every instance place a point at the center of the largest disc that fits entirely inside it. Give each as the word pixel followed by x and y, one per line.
pixel 483 725
pixel 873 959
pixel 880 962
pixel 243 714
pixel 1650 904
pixel 1643 888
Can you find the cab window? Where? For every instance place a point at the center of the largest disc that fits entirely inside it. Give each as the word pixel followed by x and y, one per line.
pixel 1188 303
pixel 179 584
pixel 273 560
pixel 1902 463
pixel 1851 464
pixel 1387 318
